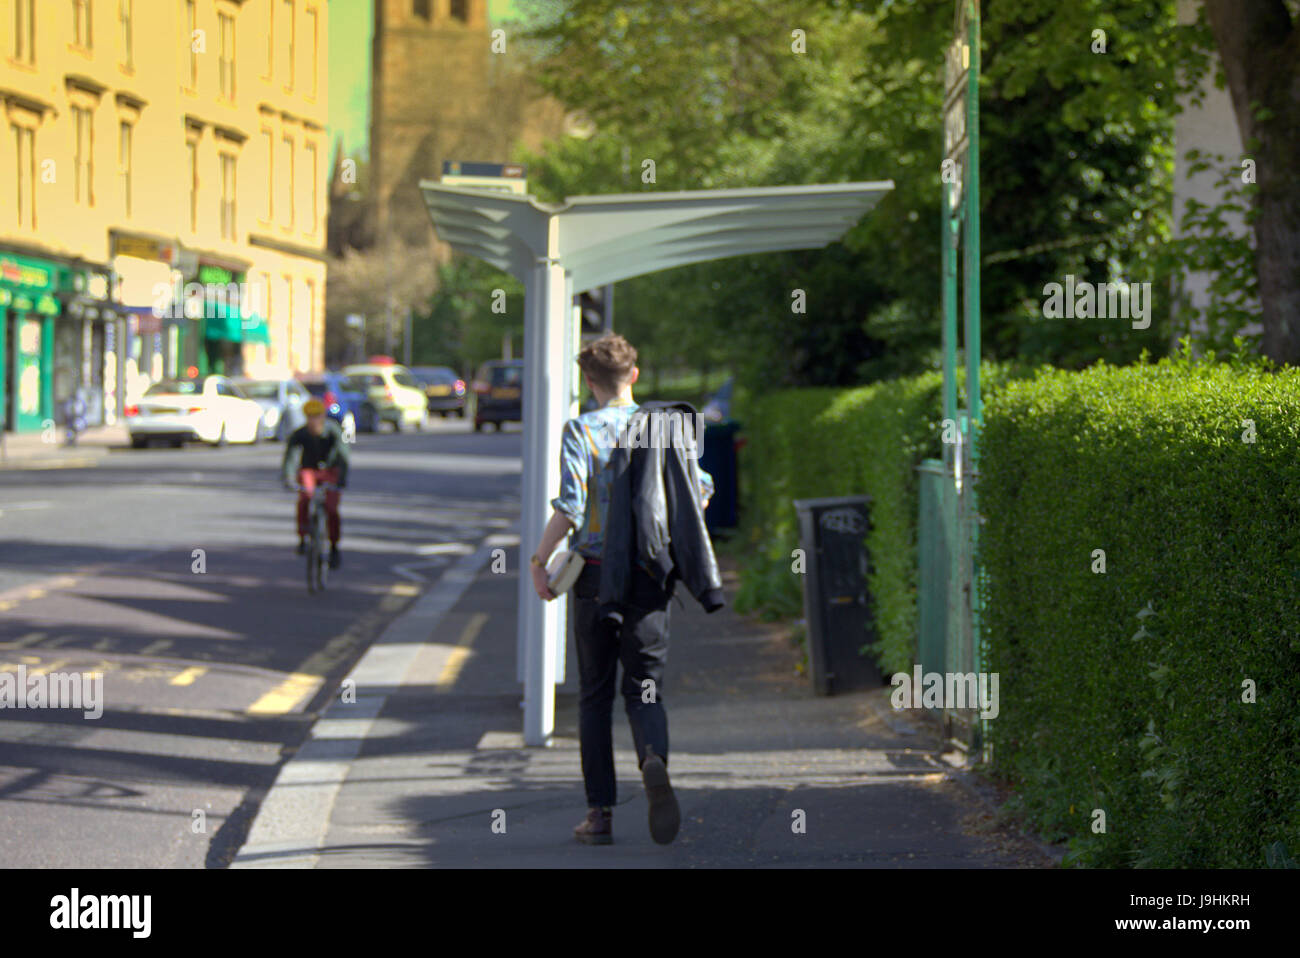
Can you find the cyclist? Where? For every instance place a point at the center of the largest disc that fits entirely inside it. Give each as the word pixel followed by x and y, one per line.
pixel 324 460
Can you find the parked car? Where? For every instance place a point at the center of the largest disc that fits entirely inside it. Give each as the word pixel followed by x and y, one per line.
pixel 281 401
pixel 204 408
pixel 499 393
pixel 345 400
pixel 393 392
pixel 446 390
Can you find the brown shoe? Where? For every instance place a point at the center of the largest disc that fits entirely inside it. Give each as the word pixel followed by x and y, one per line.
pixel 665 816
pixel 597 828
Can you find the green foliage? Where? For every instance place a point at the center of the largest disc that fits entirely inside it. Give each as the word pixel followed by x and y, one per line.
pixel 458 327
pixel 807 443
pixel 1076 163
pixel 1149 464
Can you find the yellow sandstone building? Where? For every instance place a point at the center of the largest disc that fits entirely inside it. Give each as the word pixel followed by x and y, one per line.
pixel 162 196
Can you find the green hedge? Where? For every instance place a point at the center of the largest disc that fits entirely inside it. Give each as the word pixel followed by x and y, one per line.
pixel 805 443
pixel 1122 691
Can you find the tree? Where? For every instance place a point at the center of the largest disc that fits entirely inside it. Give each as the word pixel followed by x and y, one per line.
pixel 1258 42
pixel 361 282
pixel 1077 165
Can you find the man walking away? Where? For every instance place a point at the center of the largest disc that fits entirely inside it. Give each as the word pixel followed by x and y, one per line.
pixel 640 640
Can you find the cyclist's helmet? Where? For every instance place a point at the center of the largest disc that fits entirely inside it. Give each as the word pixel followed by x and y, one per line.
pixel 313 407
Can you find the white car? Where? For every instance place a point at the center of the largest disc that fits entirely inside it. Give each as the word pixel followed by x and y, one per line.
pixel 396 396
pixel 204 408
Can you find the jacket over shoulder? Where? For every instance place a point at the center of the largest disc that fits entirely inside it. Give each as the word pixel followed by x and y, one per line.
pixel 656 516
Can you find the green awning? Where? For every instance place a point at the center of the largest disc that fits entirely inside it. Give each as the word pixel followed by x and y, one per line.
pixel 226 323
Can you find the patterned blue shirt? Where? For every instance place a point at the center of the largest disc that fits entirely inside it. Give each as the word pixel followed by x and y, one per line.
pixel 586 448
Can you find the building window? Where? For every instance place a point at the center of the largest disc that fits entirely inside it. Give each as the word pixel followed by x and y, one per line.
pixel 25 31
pixel 422 8
pixel 310 149
pixel 191 28
pixel 313 31
pixel 227 196
pixel 270 40
pixel 83 166
pixel 264 301
pixel 268 139
pixel 192 149
pixel 311 323
pixel 124 160
pixel 460 10
pixel 124 20
pixel 288 317
pixel 286 165
pixel 226 56
pixel 291 24
pixel 25 153
pixel 81 23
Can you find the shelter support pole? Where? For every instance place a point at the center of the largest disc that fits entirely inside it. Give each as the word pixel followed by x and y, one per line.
pixel 546 355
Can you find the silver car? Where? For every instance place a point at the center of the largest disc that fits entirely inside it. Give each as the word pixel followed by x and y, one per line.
pixel 281 401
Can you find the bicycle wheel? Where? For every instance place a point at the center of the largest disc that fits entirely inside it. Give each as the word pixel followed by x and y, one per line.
pixel 323 566
pixel 313 556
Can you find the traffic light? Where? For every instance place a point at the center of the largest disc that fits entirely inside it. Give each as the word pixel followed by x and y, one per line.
pixel 596 309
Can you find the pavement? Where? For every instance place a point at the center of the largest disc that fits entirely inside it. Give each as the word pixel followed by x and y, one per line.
pixel 425 766
pixel 46 448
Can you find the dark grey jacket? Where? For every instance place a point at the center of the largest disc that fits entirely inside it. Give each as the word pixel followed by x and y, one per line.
pixel 655 518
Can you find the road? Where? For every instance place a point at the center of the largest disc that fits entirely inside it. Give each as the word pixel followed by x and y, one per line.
pixel 172 573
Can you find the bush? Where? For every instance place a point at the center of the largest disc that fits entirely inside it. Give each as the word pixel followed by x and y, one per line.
pixel 1123 691
pixel 807 443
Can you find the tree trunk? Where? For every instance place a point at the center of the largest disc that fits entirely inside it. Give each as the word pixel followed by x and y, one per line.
pixel 1259 47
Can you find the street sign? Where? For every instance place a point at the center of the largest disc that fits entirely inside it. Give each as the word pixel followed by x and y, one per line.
pixel 499 177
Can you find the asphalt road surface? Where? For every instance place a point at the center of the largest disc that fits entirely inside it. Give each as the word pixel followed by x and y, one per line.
pixel 172 574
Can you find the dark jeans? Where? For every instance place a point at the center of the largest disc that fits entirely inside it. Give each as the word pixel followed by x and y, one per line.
pixel 641 644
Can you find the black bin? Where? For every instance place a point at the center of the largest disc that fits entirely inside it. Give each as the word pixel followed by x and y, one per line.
pixel 718 459
pixel 832 534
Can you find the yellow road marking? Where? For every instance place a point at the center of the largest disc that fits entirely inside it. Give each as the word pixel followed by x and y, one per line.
pixel 155 647
pixel 7 604
pixel 286 695
pixel 187 676
pixel 42 669
pixel 310 674
pixel 461 653
pixel 31 638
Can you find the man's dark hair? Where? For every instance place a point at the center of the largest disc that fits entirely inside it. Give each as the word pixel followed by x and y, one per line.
pixel 608 361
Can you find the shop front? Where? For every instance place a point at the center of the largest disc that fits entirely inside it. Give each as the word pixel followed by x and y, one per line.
pixel 217 293
pixel 28 308
pixel 86 341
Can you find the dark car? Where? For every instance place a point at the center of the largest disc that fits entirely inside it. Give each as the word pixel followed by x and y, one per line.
pixel 499 393
pixel 345 400
pixel 446 390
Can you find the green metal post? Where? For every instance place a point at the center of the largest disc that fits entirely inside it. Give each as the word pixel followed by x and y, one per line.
pixel 948 240
pixel 974 400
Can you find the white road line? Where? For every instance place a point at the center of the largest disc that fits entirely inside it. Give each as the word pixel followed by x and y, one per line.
pixel 293 820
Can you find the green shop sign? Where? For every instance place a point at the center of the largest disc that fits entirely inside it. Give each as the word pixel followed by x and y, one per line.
pixel 215 274
pixel 31 275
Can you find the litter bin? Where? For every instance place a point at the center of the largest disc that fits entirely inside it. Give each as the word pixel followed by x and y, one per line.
pixel 718 459
pixel 833 533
